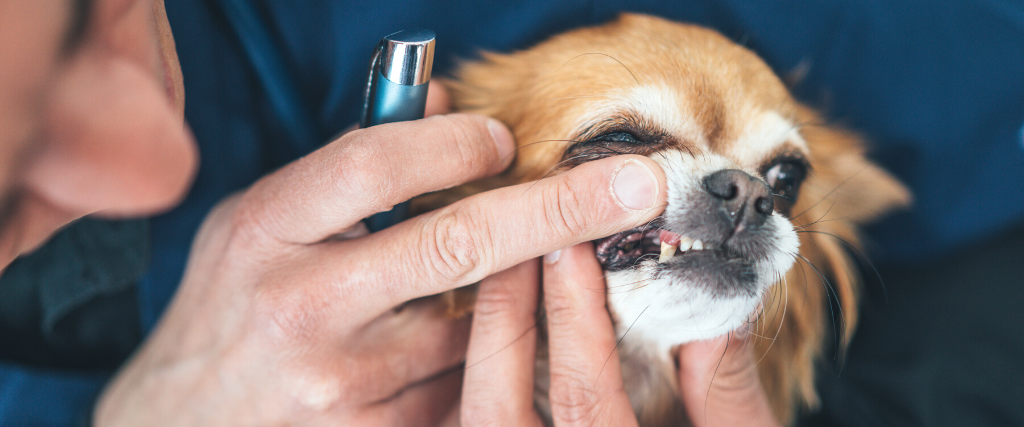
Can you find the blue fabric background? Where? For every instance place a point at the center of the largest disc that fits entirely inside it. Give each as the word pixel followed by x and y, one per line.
pixel 937 87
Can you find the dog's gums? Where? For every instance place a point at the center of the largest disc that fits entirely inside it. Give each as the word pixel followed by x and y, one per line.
pixel 743 205
pixel 622 250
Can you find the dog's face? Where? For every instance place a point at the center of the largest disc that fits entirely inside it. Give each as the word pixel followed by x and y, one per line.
pixel 747 168
pixel 734 174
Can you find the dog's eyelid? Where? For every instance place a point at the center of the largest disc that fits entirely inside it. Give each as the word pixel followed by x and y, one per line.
pixel 626 122
pixel 619 136
pixel 787 156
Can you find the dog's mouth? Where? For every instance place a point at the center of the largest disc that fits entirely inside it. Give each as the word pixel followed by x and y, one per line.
pixel 623 250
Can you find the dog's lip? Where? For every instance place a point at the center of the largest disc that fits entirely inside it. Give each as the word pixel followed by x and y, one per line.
pixel 622 250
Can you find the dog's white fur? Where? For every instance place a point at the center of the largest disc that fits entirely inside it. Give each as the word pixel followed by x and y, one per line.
pixel 660 312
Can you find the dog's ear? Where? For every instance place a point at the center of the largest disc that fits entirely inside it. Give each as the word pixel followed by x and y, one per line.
pixel 844 190
pixel 844 179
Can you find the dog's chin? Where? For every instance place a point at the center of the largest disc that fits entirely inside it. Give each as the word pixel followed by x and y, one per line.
pixel 694 294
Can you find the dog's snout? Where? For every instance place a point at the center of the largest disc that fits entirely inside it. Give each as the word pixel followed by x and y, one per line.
pixel 744 199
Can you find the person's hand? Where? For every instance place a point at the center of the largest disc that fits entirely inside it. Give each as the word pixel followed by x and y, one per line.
pixel 285 317
pixel 720 386
pixel 586 380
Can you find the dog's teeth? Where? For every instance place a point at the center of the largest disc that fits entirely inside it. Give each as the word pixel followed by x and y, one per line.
pixel 685 243
pixel 667 251
pixel 697 245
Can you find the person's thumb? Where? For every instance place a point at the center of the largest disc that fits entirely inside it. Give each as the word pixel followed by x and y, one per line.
pixel 719 383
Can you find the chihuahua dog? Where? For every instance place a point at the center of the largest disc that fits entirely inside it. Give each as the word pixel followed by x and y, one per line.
pixel 762 197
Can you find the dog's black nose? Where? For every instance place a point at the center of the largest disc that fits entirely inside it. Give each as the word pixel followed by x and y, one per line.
pixel 745 201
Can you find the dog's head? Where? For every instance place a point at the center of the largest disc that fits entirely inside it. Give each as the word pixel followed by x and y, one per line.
pixel 753 176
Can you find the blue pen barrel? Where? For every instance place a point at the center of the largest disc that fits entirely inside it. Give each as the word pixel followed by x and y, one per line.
pixel 397 103
pixel 397 91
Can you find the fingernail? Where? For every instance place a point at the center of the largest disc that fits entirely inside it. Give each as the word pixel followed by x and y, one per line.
pixel 552 257
pixel 502 139
pixel 635 186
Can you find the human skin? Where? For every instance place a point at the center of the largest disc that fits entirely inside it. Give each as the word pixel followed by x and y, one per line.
pixel 286 313
pixel 92 128
pixel 718 378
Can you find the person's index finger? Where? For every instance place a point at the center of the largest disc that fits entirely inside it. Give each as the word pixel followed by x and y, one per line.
pixel 370 170
pixel 491 231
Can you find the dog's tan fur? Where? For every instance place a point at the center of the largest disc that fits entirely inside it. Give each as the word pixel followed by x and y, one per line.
pixel 544 94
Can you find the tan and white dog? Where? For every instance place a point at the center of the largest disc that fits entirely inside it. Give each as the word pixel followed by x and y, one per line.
pixel 762 195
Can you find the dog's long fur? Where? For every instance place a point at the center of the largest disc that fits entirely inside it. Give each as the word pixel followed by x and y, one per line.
pixel 722 106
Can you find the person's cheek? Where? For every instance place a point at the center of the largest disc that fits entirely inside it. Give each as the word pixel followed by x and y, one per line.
pixel 169 63
pixel 114 144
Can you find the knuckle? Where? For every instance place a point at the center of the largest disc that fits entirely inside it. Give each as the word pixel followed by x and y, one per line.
pixel 285 316
pixel 497 303
pixel 314 390
pixel 319 395
pixel 249 214
pixel 468 139
pixel 309 389
pixel 563 310
pixel 249 225
pixel 564 210
pixel 573 400
pixel 450 246
pixel 363 172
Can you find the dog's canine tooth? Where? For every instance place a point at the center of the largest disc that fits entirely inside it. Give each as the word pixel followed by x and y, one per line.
pixel 697 245
pixel 667 251
pixel 685 243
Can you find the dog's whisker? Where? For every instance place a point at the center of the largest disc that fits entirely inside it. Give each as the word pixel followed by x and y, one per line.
pixel 542 141
pixel 622 285
pixel 785 304
pixel 577 97
pixel 840 334
pixel 837 187
pixel 619 342
pixel 582 157
pixel 860 254
pixel 602 54
pixel 640 284
pixel 826 211
pixel 713 375
pixel 821 221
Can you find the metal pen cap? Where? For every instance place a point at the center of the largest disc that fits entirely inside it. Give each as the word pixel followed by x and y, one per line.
pixel 407 57
pixel 400 69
